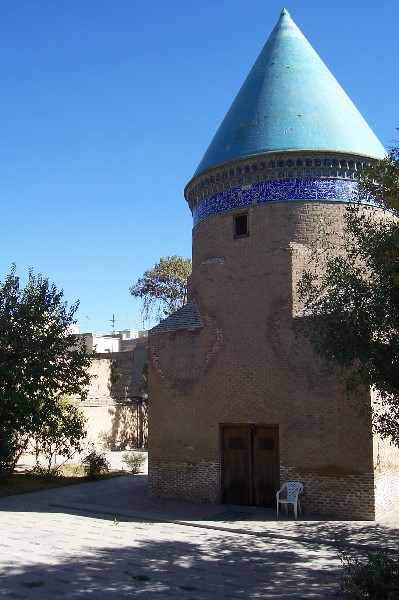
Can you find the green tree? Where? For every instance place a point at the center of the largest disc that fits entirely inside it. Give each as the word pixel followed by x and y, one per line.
pixel 352 306
pixel 61 434
pixel 163 289
pixel 41 360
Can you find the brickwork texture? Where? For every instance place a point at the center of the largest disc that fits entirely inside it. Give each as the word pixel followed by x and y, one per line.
pixel 249 365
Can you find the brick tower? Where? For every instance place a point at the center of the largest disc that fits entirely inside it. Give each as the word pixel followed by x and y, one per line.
pixel 238 403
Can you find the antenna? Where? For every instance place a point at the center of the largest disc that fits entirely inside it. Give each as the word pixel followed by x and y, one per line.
pixel 112 321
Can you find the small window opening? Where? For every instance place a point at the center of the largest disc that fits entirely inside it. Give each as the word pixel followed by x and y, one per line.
pixel 241 225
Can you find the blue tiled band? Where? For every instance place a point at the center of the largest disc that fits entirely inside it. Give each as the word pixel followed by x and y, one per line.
pixel 281 190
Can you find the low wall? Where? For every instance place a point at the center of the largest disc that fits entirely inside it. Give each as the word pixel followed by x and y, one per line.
pixel 334 493
pixel 195 481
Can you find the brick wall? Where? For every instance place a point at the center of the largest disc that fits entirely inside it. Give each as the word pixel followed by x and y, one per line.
pixel 195 481
pixel 386 491
pixel 248 364
pixel 386 465
pixel 334 491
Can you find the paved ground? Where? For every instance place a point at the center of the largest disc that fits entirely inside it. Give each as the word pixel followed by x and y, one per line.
pixel 108 540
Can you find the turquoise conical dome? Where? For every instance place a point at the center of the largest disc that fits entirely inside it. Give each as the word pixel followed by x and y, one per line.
pixel 290 101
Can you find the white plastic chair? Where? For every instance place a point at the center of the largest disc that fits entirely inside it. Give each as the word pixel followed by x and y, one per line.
pixel 292 490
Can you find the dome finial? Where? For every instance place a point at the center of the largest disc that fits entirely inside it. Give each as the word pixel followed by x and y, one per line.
pixel 284 13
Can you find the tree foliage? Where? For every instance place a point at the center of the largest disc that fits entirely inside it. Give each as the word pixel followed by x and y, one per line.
pixel 163 289
pixel 352 307
pixel 41 360
pixel 380 182
pixel 61 434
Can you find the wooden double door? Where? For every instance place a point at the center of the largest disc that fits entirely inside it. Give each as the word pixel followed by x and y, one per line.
pixel 250 464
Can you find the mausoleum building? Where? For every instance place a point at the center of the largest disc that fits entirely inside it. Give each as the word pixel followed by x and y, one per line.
pixel 238 402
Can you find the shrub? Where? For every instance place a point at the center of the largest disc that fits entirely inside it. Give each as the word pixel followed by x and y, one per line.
pixel 374 576
pixel 95 464
pixel 49 471
pixel 134 461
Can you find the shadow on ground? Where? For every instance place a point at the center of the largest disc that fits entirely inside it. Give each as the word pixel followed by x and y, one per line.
pixel 127 498
pixel 205 568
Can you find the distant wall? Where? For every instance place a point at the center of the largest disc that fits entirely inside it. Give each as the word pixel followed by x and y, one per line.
pixel 116 418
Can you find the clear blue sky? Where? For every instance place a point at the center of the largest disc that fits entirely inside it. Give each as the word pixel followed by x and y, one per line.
pixel 107 107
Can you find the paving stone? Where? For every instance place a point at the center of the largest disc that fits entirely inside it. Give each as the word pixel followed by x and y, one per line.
pixel 85 554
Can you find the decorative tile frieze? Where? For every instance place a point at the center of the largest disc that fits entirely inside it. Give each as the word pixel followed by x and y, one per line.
pixel 281 190
pixel 271 167
pixel 227 200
